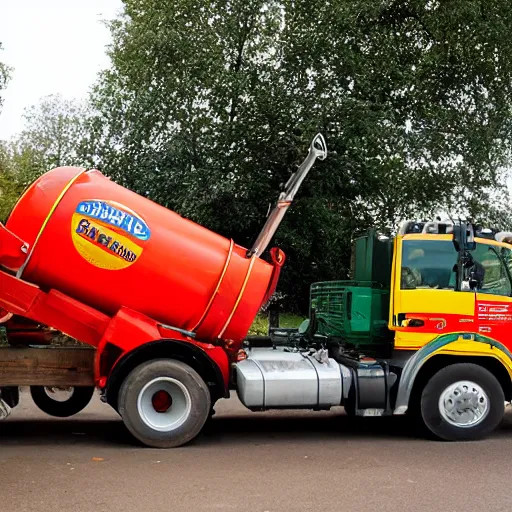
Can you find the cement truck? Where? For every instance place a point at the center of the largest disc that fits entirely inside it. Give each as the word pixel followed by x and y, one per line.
pixel 160 308
pixel 160 304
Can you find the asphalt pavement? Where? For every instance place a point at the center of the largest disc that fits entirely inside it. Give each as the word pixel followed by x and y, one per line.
pixel 255 462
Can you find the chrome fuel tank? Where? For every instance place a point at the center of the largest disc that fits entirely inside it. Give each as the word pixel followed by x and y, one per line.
pixel 277 378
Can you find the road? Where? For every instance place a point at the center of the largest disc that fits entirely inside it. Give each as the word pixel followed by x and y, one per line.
pixel 255 462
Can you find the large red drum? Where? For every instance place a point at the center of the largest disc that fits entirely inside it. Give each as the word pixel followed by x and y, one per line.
pixel 109 247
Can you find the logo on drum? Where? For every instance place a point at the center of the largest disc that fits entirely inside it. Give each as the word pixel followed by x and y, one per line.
pixel 107 234
pixel 115 215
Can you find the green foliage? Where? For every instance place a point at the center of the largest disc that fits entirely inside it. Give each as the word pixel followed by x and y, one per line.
pixel 19 166
pixel 55 134
pixel 8 185
pixel 5 73
pixel 260 325
pixel 209 106
pixel 56 130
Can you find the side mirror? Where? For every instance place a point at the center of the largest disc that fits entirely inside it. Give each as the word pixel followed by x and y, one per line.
pixel 463 237
pixel 457 238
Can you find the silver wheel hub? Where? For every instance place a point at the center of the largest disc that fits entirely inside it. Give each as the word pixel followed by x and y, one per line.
pixel 164 404
pixel 464 404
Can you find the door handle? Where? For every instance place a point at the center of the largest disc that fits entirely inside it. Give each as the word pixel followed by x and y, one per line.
pixel 438 323
pixel 413 322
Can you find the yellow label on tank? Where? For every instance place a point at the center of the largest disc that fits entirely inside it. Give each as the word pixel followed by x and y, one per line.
pixel 101 246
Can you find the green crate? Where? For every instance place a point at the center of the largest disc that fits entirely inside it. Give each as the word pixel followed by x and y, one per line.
pixel 355 312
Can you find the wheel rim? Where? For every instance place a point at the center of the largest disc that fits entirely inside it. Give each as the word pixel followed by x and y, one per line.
pixel 164 404
pixel 59 394
pixel 464 404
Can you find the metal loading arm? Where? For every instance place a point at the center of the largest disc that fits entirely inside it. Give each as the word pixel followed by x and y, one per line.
pixel 54 309
pixel 317 149
pixel 51 308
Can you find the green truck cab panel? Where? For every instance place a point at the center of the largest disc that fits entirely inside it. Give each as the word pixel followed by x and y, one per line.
pixel 372 259
pixel 356 312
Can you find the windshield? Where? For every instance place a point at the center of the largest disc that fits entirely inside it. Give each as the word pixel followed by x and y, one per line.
pixel 428 264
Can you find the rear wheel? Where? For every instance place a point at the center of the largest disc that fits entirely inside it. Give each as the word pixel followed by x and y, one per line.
pixel 10 395
pixel 62 402
pixel 164 403
pixel 462 401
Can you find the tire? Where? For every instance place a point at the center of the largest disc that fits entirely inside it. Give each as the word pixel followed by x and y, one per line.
pixel 78 401
pixel 10 395
pixel 183 413
pixel 450 413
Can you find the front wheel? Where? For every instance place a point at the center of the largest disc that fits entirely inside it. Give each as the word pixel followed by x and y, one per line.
pixel 164 403
pixel 463 401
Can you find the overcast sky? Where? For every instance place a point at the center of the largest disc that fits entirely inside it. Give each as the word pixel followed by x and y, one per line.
pixel 54 46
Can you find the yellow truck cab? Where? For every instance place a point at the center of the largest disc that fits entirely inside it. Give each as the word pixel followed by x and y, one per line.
pixel 422 328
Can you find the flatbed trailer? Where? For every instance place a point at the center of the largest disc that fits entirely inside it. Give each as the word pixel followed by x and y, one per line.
pixel 47 366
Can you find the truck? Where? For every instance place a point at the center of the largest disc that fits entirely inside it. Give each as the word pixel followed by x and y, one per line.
pixel 160 308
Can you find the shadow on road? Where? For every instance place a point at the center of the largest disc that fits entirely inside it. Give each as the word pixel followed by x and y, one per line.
pixel 254 429
pixel 265 428
pixel 48 432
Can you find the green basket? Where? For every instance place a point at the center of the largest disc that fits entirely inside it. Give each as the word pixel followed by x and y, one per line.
pixel 353 311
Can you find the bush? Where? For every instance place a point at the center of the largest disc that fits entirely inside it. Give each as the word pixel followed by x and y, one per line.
pixel 260 324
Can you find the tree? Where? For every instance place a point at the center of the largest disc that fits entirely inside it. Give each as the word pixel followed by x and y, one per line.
pixel 19 166
pixel 6 185
pixel 55 134
pixel 4 77
pixel 56 130
pixel 209 106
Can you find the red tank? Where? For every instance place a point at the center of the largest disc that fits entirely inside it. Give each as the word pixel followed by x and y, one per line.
pixel 109 247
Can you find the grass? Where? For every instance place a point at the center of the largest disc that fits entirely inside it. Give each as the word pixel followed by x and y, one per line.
pixel 260 324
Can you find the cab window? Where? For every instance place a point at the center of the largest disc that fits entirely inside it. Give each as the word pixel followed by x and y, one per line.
pixel 493 261
pixel 429 264
pixel 506 255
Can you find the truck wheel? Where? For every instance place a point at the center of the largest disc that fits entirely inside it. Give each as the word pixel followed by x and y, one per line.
pixel 164 403
pixel 49 401
pixel 10 395
pixel 462 402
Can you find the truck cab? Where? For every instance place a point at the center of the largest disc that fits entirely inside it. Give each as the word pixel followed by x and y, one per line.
pixel 428 300
pixel 408 290
pixel 421 328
